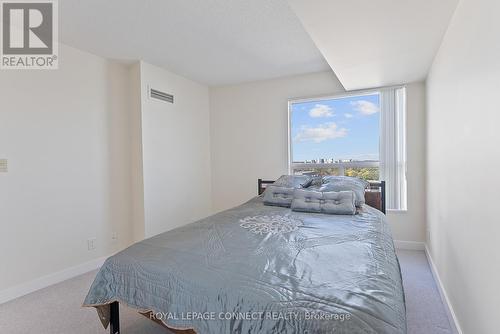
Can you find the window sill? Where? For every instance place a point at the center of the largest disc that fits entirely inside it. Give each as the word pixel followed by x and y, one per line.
pixel 397 211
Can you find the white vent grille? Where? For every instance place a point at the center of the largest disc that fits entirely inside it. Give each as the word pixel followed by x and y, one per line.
pixel 162 96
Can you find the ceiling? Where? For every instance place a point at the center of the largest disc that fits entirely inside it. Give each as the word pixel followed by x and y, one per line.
pixel 215 42
pixel 376 43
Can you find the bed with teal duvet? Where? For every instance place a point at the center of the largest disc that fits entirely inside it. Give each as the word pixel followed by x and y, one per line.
pixel 262 269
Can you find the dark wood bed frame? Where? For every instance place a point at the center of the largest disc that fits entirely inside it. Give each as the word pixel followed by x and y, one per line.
pixel 374 197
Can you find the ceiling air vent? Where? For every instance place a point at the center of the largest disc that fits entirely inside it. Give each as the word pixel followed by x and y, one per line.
pixel 158 95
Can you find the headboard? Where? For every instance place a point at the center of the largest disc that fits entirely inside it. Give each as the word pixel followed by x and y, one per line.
pixel 374 194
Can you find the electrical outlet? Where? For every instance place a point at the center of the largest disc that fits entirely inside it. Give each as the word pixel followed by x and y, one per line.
pixel 114 236
pixel 91 243
pixel 4 166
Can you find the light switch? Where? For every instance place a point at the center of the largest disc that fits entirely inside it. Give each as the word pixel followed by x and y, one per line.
pixel 3 166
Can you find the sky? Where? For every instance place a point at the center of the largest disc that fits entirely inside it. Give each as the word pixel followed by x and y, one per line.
pixel 342 128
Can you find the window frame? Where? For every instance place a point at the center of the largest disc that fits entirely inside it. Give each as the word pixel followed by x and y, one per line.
pixel 341 165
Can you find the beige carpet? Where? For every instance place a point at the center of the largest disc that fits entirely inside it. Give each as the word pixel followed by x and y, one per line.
pixel 56 309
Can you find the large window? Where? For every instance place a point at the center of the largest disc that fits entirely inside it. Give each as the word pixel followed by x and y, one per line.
pixel 360 135
pixel 336 136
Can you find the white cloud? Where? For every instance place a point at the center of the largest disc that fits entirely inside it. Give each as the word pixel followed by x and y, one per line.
pixel 365 107
pixel 321 110
pixel 320 133
pixel 348 115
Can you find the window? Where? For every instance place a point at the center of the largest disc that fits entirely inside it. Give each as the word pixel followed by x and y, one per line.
pixel 360 135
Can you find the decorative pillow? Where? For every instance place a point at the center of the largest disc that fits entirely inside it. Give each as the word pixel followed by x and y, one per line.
pixel 344 183
pixel 292 181
pixel 334 203
pixel 278 196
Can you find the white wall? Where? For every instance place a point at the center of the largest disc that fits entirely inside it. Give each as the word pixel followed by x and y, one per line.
pixel 463 162
pixel 65 133
pixel 176 151
pixel 90 156
pixel 136 166
pixel 248 125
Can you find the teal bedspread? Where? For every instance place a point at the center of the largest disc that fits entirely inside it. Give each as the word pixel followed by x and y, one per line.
pixel 262 269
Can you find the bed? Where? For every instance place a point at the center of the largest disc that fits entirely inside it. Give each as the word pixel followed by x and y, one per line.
pixel 262 269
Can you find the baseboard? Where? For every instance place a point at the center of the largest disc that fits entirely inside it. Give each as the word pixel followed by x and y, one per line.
pixel 409 245
pixel 442 291
pixel 48 280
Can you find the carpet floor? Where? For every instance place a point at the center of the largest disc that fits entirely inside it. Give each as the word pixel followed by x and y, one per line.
pixel 57 309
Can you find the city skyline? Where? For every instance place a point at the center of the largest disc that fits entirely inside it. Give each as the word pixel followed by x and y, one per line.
pixel 330 161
